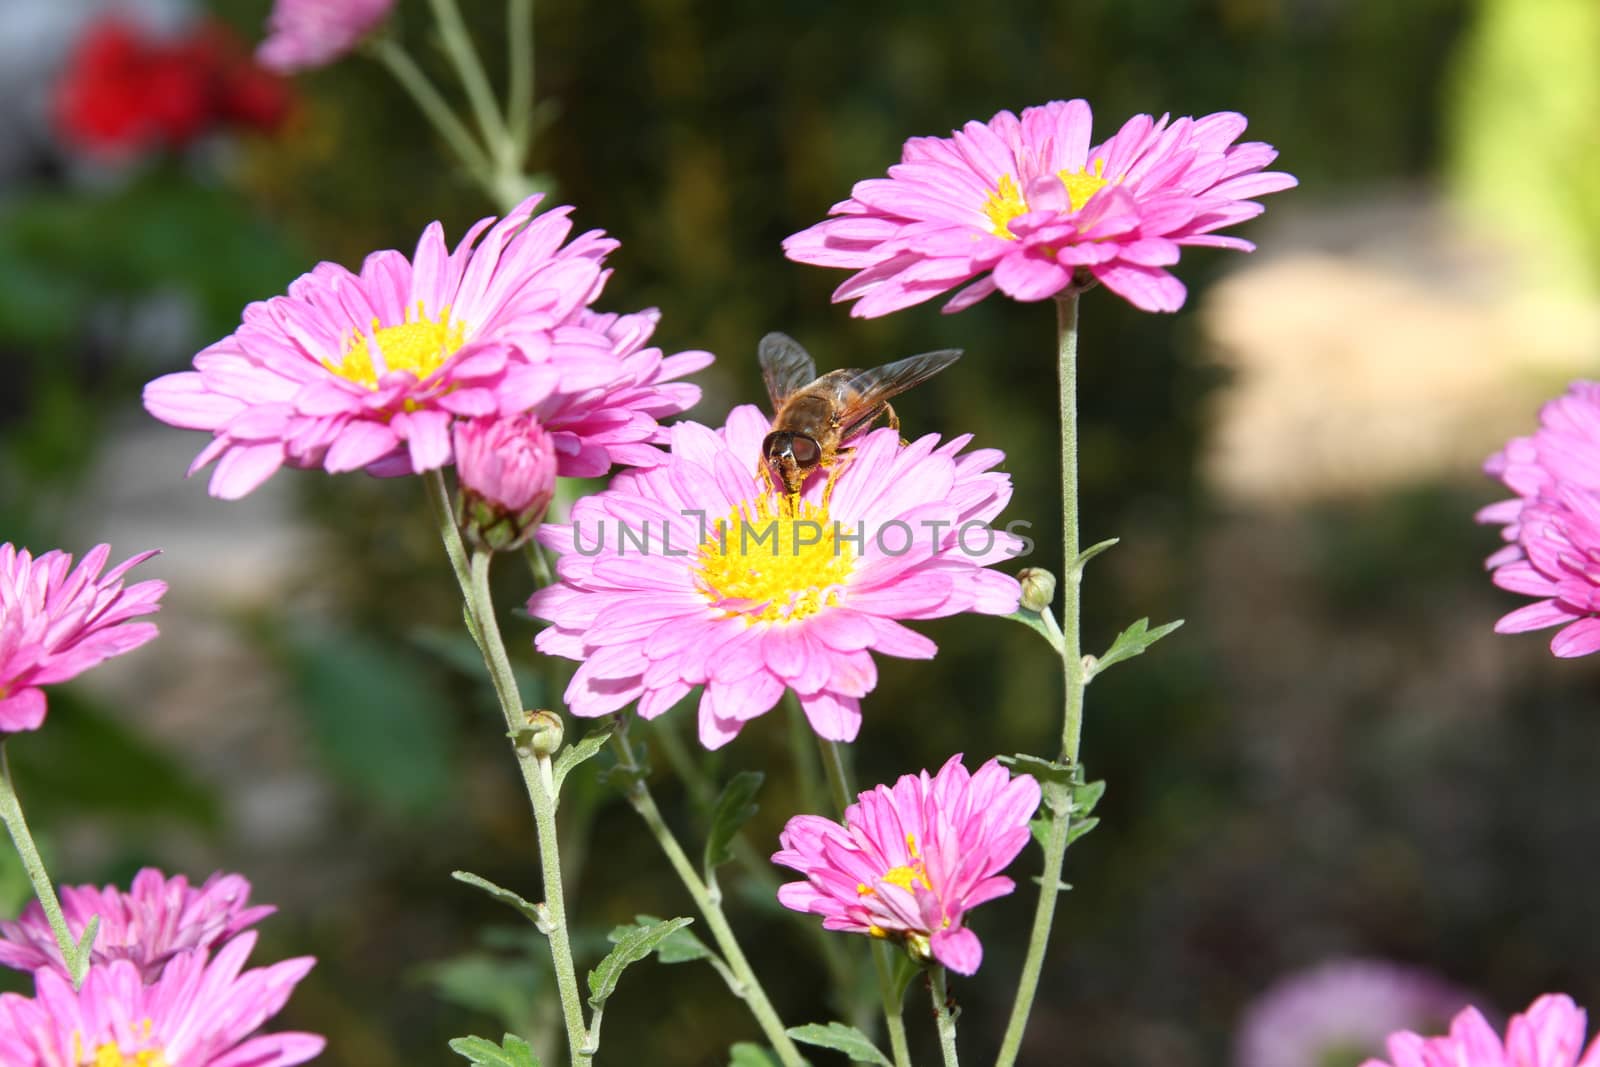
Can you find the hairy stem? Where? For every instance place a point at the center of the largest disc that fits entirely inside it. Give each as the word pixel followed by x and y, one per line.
pixel 75 954
pixel 944 1016
pixel 473 577
pixel 749 986
pixel 1072 671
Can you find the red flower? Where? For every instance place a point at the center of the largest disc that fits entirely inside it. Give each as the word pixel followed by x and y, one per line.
pixel 123 93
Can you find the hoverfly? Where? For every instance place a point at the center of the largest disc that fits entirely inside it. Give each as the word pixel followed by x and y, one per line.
pixel 815 415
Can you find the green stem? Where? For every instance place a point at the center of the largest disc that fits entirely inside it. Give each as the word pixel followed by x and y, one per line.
pixel 943 1016
pixel 399 63
pixel 882 958
pixel 469 68
pixel 537 772
pixel 75 954
pixel 749 986
pixel 756 866
pixel 1055 850
pixel 519 94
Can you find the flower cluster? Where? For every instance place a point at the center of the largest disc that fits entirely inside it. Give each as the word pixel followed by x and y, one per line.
pixel 57 621
pixel 371 371
pixel 1028 207
pixel 1549 1034
pixel 911 860
pixel 124 92
pixel 166 982
pixel 1552 524
pixel 697 572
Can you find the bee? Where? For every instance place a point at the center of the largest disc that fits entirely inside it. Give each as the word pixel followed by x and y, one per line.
pixel 815 415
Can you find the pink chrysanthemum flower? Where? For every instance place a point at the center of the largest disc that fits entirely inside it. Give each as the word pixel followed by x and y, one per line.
pixel 696 572
pixel 1553 523
pixel 911 861
pixel 157 919
pixel 368 371
pixel 1341 1012
pixel 1026 206
pixel 57 622
pixel 507 473
pixel 199 1013
pixel 1549 1034
pixel 302 34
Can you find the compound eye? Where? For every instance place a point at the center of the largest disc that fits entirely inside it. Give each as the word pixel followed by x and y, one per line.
pixel 804 450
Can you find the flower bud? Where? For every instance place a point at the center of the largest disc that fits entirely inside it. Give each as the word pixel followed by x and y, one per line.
pixel 507 472
pixel 544 732
pixel 1038 589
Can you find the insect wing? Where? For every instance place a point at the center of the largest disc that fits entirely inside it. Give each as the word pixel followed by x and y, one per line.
pixel 866 393
pixel 785 366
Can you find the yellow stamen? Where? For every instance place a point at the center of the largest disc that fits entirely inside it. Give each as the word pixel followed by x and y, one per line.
pixel 784 556
pixel 109 1055
pixel 1007 201
pixel 1003 205
pixel 419 345
pixel 1081 185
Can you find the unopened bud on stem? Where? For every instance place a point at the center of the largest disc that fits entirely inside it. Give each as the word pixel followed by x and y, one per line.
pixel 1038 589
pixel 544 733
pixel 507 471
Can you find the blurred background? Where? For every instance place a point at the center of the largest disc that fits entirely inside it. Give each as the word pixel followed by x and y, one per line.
pixel 1335 758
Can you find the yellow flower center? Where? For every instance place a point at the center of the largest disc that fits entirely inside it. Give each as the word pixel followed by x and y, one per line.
pixel 1003 205
pixel 419 345
pixel 785 556
pixel 1007 201
pixel 906 876
pixel 1081 185
pixel 111 1054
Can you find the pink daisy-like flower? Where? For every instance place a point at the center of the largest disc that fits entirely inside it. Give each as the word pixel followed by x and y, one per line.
pixel 1553 522
pixel 1026 206
pixel 1549 1034
pixel 368 371
pixel 1341 1011
pixel 302 34
pixel 696 572
pixel 57 622
pixel 157 919
pixel 912 860
pixel 200 1012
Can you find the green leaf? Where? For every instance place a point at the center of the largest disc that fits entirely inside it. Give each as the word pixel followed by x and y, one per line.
pixel 532 912
pixel 842 1038
pixel 1036 622
pixel 680 946
pixel 1129 643
pixel 635 945
pixel 1085 795
pixel 1080 827
pixel 585 749
pixel 734 808
pixel 749 1054
pixel 380 720
pixel 1039 827
pixel 1091 552
pixel 1042 770
pixel 512 1052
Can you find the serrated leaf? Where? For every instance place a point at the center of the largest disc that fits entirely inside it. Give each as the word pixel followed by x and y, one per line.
pixel 734 807
pixel 1042 770
pixel 747 1054
pixel 635 945
pixel 511 1052
pixel 680 946
pixel 841 1038
pixel 1039 624
pixel 1129 643
pixel 586 748
pixel 532 912
pixel 1092 551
